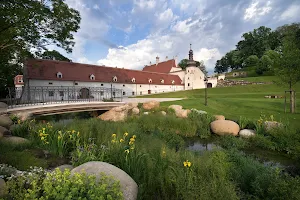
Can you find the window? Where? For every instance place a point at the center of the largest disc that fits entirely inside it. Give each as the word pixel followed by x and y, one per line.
pixel 188 78
pixel 188 84
pixel 173 82
pixel 150 80
pixel 101 84
pixel 132 93
pixel 20 81
pixel 114 93
pixel 141 93
pixel 61 93
pixel 124 93
pixel 50 83
pixel 101 93
pixel 76 83
pixel 188 71
pixel 156 86
pixel 51 93
pixel 115 79
pixel 133 80
pixel 92 77
pixel 59 75
pixel 162 81
pixel 140 85
pixel 123 85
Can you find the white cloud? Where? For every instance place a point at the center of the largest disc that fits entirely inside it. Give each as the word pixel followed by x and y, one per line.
pixel 254 11
pixel 167 15
pixel 184 6
pixel 143 5
pixel 291 13
pixel 209 56
pixel 184 26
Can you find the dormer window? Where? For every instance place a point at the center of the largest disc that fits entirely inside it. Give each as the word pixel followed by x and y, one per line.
pixel 115 79
pixel 59 75
pixel 133 80
pixel 92 77
pixel 150 80
pixel 162 81
pixel 173 81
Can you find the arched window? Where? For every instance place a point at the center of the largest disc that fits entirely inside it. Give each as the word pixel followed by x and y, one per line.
pixel 133 80
pixel 115 79
pixel 173 81
pixel 59 75
pixel 92 77
pixel 150 80
pixel 162 81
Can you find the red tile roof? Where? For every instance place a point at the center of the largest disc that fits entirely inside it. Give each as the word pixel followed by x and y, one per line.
pixel 48 69
pixel 162 67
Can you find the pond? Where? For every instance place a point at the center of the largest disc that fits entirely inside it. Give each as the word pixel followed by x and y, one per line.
pixel 267 157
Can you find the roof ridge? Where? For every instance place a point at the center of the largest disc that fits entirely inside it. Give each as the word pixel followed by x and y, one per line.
pixel 93 65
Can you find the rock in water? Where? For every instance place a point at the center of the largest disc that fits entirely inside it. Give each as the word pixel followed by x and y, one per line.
pixel 246 133
pixel 151 105
pixel 5 121
pixel 269 125
pixel 225 127
pixel 128 185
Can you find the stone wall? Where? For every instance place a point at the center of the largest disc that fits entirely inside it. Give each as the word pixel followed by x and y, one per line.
pixel 229 83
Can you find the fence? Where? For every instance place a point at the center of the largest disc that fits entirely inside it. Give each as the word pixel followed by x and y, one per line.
pixel 51 94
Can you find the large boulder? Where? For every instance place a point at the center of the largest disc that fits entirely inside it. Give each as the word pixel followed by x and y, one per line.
pixel 246 133
pixel 219 117
pixel 179 112
pixel 135 111
pixel 119 113
pixel 225 127
pixel 3 188
pixel 16 141
pixel 4 132
pixel 269 125
pixel 23 116
pixel 3 108
pixel 175 107
pixel 128 185
pixel 5 121
pixel 151 105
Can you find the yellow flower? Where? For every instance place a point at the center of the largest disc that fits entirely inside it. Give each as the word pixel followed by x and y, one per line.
pixel 59 132
pixel 42 138
pixel 126 134
pixel 131 143
pixel 19 121
pixel 127 151
pixel 59 137
pixel 121 140
pixel 44 129
pixel 187 163
pixel 78 133
pixel 134 136
pixel 132 148
pixel 73 131
pixel 41 134
pixel 113 141
pixel 114 135
pixel 132 139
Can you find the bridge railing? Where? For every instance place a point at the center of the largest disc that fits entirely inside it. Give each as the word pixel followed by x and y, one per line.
pixel 28 96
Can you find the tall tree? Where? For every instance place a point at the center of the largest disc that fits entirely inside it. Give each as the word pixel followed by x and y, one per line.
pixel 54 55
pixel 200 64
pixel 287 65
pixel 27 27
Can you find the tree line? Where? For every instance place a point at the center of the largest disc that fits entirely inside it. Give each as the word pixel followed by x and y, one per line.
pixel 27 29
pixel 258 48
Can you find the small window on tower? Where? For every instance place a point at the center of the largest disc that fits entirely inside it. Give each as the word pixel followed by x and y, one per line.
pixel 132 93
pixel 124 93
pixel 101 84
pixel 141 93
pixel 188 84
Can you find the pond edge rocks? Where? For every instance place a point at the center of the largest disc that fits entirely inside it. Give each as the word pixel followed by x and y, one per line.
pixel 225 127
pixel 128 185
pixel 179 112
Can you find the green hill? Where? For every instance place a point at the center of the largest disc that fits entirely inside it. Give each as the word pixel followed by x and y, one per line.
pixel 232 102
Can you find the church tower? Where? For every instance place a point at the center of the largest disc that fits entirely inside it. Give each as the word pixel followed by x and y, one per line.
pixel 191 62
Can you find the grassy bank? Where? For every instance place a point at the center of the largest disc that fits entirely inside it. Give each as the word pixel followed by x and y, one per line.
pixel 233 102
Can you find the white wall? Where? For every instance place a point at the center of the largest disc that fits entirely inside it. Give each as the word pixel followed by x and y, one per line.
pixel 222 76
pixel 213 81
pixel 181 75
pixel 127 89
pixel 194 78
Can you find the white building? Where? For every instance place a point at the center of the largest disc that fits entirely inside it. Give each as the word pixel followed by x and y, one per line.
pixel 58 80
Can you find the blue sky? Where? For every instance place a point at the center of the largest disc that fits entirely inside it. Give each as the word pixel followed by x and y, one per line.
pixel 131 33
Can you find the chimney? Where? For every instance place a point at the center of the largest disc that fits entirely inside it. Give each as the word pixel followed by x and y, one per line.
pixel 167 57
pixel 150 63
pixel 157 60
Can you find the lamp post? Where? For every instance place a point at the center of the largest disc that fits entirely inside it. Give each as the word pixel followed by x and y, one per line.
pixel 205 81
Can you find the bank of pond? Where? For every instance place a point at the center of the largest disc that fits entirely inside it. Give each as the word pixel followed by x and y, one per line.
pixel 166 156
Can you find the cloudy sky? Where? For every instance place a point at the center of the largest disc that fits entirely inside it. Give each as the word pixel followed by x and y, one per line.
pixel 131 33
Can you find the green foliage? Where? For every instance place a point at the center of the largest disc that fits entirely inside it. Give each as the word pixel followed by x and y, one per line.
pixel 54 55
pixel 232 142
pixel 200 64
pixel 251 61
pixel 32 24
pixel 37 184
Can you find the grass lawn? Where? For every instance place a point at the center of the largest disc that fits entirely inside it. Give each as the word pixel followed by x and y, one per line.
pixel 233 102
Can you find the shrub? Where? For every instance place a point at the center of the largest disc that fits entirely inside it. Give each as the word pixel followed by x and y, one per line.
pixel 232 142
pixel 37 184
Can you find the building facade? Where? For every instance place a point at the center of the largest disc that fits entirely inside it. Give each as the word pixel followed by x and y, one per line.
pixel 46 80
